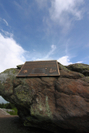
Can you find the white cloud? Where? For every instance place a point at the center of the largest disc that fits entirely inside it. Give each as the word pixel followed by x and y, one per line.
pixel 64 11
pixel 6 33
pixel 60 8
pixel 40 56
pixel 65 60
pixel 11 53
pixel 5 22
pixel 79 62
pixel 53 48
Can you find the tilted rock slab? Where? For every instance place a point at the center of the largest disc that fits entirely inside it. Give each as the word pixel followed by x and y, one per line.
pixel 51 103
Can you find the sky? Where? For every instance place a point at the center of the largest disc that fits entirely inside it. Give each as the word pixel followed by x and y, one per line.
pixel 43 30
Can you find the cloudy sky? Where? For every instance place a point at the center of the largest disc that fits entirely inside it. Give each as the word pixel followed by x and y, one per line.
pixel 43 30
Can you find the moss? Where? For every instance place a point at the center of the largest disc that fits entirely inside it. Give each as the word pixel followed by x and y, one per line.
pixel 35 111
pixel 46 112
pixel 10 72
pixel 79 67
pixel 23 93
pixel 48 108
pixel 33 121
pixel 13 71
pixel 86 79
pixel 1 86
pixel 42 122
pixel 61 67
pixel 84 66
pixel 24 81
pixel 27 123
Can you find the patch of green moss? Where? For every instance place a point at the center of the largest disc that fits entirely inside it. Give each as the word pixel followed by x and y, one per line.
pixel 10 71
pixel 79 67
pixel 27 123
pixel 1 86
pixel 86 79
pixel 23 93
pixel 61 67
pixel 36 117
pixel 13 71
pixel 35 111
pixel 24 81
pixel 33 121
pixel 48 108
pixel 84 66
pixel 7 70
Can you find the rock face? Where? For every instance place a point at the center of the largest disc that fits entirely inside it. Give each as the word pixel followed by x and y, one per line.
pixel 51 103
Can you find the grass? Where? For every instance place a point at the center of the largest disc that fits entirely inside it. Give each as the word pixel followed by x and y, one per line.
pixel 9 106
pixel 13 112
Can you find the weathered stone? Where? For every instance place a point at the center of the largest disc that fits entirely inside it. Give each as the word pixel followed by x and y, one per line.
pixel 51 103
pixel 79 67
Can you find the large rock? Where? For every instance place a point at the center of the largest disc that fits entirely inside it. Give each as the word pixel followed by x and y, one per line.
pixel 51 103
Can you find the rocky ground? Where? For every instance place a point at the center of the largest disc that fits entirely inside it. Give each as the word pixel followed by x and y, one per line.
pixel 3 112
pixel 13 124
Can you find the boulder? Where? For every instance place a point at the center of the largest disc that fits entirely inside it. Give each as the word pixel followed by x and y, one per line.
pixel 79 67
pixel 56 104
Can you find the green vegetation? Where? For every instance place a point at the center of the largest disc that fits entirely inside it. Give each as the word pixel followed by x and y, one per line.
pixel 48 108
pixel 13 112
pixel 9 106
pixel 10 71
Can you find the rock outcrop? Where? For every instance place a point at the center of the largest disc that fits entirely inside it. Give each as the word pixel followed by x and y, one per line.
pixel 51 103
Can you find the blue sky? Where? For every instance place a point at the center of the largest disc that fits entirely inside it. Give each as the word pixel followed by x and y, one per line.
pixel 43 30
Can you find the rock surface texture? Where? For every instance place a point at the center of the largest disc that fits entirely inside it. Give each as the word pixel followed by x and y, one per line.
pixel 51 103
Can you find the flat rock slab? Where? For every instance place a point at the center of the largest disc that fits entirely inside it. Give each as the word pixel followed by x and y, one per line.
pixel 2 112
